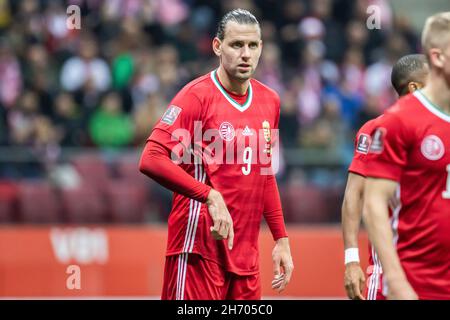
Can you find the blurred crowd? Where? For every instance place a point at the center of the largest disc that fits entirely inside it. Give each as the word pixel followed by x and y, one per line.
pixel 102 87
pixel 106 84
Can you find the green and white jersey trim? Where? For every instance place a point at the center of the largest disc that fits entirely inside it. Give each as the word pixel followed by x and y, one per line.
pixel 240 107
pixel 430 106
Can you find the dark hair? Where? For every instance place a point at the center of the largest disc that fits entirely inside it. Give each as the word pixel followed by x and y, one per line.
pixel 407 69
pixel 240 16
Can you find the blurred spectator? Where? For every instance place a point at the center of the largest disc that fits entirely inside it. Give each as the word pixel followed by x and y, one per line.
pixel 289 125
pixel 10 75
pixel 311 84
pixel 86 69
pixel 21 119
pixel 100 86
pixel 353 71
pixel 333 35
pixel 369 110
pixel 70 121
pixel 3 127
pixel 270 70
pixel 170 75
pixel 5 14
pixel 123 69
pixel 45 138
pixel 109 126
pixel 40 75
pixel 327 132
pixel 145 117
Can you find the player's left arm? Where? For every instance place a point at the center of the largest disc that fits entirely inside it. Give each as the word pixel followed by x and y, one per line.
pixel 273 214
pixel 351 218
pixel 281 254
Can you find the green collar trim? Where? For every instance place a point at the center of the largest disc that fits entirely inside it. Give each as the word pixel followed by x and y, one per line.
pixel 430 106
pixel 233 102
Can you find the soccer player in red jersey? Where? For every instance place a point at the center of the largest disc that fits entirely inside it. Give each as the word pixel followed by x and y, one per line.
pixel 408 74
pixel 413 164
pixel 213 148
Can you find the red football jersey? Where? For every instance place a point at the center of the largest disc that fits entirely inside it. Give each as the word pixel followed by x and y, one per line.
pixel 363 141
pixel 232 138
pixel 412 146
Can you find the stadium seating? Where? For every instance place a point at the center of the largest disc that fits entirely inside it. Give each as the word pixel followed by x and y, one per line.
pixel 127 201
pixel 304 203
pixel 8 201
pixel 84 204
pixel 93 169
pixel 37 202
pixel 127 168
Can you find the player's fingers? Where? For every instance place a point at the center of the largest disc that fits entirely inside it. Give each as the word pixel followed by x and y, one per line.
pixel 362 282
pixel 351 292
pixel 225 222
pixel 349 289
pixel 276 286
pixel 276 266
pixel 230 237
pixel 217 223
pixel 223 230
pixel 282 286
pixel 356 291
pixel 277 282
pixel 288 268
pixel 215 234
pixel 218 228
pixel 278 278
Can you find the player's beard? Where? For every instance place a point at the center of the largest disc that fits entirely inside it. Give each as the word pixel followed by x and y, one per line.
pixel 241 76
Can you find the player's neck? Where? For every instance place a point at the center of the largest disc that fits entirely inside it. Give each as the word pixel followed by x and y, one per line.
pixel 438 93
pixel 231 85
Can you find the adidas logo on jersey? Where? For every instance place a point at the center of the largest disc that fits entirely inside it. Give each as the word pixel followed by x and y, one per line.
pixel 247 131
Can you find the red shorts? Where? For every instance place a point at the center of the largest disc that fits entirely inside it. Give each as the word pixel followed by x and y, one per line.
pixel 190 277
pixel 374 284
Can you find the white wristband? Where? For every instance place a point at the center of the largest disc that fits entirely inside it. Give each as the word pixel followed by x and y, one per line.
pixel 351 255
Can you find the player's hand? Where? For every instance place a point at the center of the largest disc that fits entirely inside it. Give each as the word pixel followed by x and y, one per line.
pixel 354 281
pixel 223 224
pixel 282 264
pixel 400 289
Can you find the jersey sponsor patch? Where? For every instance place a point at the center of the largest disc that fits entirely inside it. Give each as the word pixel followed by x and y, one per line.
pixel 226 131
pixel 363 144
pixel 171 115
pixel 377 143
pixel 432 147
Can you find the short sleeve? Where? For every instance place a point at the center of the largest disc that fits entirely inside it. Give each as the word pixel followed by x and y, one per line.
pixel 177 124
pixel 361 150
pixel 389 149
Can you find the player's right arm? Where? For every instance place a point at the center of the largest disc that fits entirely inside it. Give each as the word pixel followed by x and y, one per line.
pixel 351 219
pixel 351 211
pixel 171 139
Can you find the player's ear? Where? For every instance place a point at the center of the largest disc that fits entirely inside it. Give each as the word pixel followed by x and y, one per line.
pixel 413 86
pixel 436 57
pixel 216 46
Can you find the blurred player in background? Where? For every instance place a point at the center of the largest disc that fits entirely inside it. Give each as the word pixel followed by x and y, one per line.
pixel 218 205
pixel 412 164
pixel 408 74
